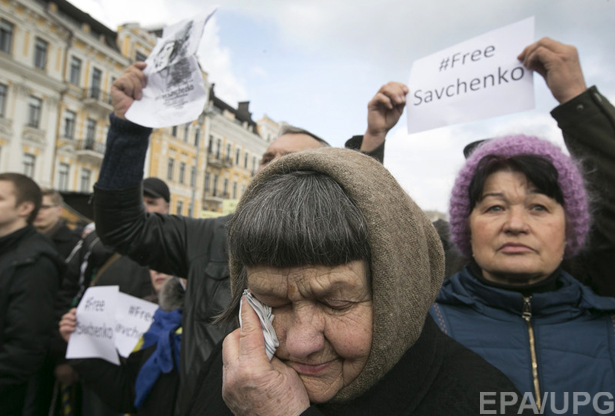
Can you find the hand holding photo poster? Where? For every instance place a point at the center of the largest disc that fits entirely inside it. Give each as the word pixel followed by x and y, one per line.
pixel 175 93
pixel 473 80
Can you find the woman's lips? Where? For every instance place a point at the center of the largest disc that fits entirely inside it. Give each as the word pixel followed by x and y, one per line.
pixel 515 248
pixel 310 369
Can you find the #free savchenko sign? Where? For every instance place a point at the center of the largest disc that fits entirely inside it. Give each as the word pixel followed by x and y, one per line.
pixel 474 80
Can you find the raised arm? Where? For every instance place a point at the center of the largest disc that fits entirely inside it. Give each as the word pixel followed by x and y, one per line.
pixel 587 121
pixel 383 113
pixel 121 220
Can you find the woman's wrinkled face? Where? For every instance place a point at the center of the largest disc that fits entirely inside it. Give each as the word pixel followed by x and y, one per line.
pixel 518 234
pixel 323 320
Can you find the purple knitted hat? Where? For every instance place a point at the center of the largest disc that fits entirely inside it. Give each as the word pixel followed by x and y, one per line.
pixel 570 180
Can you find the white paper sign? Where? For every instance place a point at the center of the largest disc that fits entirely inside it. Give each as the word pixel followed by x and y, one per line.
pixel 474 80
pixel 94 335
pixel 175 93
pixel 108 320
pixel 133 318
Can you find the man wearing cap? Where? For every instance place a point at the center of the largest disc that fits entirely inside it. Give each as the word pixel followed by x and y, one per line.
pixel 156 195
pixel 132 278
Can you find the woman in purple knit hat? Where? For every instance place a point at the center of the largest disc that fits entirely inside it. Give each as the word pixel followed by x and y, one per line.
pixel 518 209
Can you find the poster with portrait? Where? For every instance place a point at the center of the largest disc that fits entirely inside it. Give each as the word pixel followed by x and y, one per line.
pixel 175 93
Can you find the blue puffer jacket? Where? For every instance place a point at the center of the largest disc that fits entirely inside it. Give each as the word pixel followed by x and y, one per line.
pixel 573 331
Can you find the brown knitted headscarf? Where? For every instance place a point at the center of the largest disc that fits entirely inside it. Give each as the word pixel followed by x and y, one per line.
pixel 407 260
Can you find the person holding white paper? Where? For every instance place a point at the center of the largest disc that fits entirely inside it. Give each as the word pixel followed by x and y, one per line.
pixel 587 121
pixel 145 383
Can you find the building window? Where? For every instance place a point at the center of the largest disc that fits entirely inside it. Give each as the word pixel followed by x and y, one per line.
pixel 140 57
pixel 86 175
pixel 180 208
pixel 35 106
pixel 96 83
pixel 90 134
pixel 3 98
pixel 253 165
pixel 197 136
pixel 75 70
pixel 170 169
pixel 206 186
pixel 40 53
pixel 218 144
pixel 182 171
pixel 174 131
pixel 210 145
pixel 190 211
pixel 6 36
pixel 63 172
pixel 228 153
pixel 186 132
pixel 28 164
pixel 215 186
pixel 225 188
pixel 192 176
pixel 69 124
pixel 245 160
pixel 234 190
pixel 237 156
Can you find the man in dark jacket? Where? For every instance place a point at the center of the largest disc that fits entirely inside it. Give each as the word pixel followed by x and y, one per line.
pixel 49 222
pixel 30 269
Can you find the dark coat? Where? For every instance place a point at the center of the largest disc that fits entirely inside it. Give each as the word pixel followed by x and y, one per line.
pixel 436 376
pixel 63 238
pixel 30 270
pixel 176 245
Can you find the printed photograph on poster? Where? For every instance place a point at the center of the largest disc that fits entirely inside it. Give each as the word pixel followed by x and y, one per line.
pixel 175 93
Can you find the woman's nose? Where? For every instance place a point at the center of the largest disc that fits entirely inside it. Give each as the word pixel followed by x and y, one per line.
pixel 305 335
pixel 516 222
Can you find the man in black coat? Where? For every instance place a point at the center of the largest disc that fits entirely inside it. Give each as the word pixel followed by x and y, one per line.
pixel 30 270
pixel 49 222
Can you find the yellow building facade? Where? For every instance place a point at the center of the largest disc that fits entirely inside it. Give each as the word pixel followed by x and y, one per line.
pixel 57 65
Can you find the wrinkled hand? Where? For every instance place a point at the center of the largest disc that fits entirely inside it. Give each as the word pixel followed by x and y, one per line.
pixel 65 374
pixel 251 385
pixel 68 323
pixel 559 65
pixel 383 113
pixel 128 88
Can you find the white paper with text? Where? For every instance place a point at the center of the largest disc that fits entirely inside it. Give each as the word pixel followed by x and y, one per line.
pixel 476 79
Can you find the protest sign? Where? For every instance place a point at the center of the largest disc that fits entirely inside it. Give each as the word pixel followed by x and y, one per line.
pixel 175 93
pixel 108 320
pixel 94 335
pixel 474 80
pixel 133 317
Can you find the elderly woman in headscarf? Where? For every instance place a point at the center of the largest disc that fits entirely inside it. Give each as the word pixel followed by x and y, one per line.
pixel 349 266
pixel 518 208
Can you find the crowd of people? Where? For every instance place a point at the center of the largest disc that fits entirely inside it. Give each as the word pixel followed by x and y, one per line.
pixel 507 309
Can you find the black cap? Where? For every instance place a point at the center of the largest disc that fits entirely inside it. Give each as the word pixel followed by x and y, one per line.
pixel 157 188
pixel 467 151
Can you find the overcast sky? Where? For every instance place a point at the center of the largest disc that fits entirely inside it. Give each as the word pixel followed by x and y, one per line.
pixel 316 63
